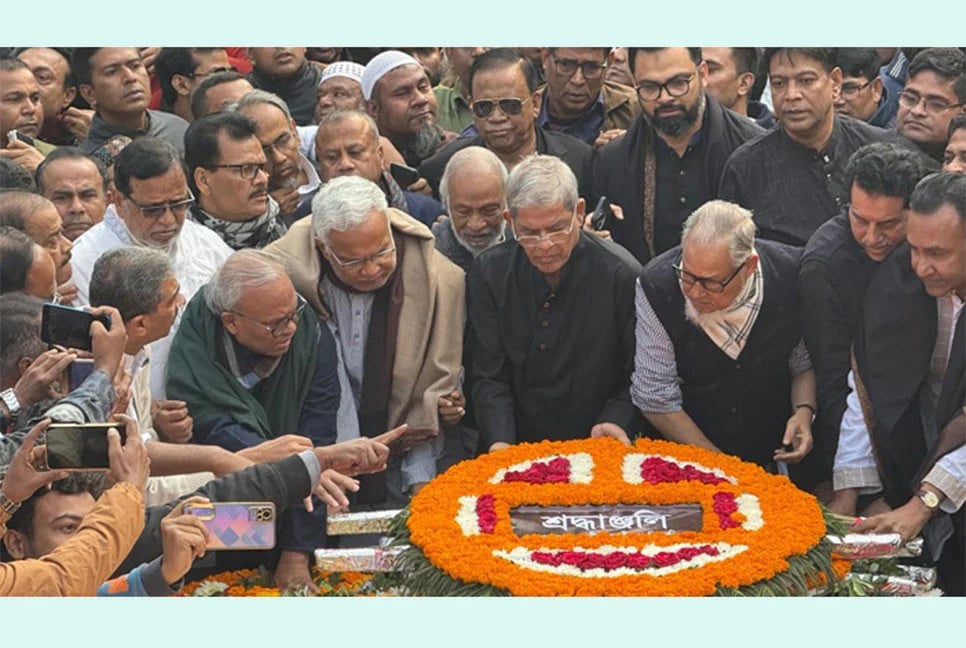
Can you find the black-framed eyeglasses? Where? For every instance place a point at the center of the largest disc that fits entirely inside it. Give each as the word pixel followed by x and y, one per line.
pixel 851 89
pixel 281 143
pixel 202 75
pixel 567 67
pixel 708 284
pixel 279 328
pixel 247 170
pixel 910 99
pixel 357 264
pixel 676 87
pixel 510 106
pixel 157 210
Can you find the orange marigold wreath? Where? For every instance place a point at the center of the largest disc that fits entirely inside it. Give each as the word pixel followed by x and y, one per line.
pixel 759 534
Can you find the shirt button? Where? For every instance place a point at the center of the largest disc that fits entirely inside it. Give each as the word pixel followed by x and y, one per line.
pixel 681 173
pixel 683 200
pixel 546 304
pixel 734 410
pixel 545 323
pixel 738 366
pixel 542 347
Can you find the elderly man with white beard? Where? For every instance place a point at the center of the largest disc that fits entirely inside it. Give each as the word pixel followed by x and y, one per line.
pixel 473 190
pixel 148 209
pixel 720 361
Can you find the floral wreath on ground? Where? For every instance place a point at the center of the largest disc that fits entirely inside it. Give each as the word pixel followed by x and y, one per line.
pixel 759 534
pixel 259 582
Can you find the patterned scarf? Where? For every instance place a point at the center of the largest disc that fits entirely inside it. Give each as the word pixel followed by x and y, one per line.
pixel 729 328
pixel 255 233
pixel 394 193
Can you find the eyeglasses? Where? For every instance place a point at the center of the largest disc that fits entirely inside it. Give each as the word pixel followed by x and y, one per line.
pixel 710 285
pixel 511 106
pixel 279 328
pixel 554 238
pixel 849 90
pixel 217 70
pixel 281 143
pixel 567 67
pixel 910 99
pixel 154 212
pixel 247 171
pixel 676 87
pixel 357 264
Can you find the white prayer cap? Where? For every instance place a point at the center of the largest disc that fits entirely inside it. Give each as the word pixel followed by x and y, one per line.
pixel 381 65
pixel 346 69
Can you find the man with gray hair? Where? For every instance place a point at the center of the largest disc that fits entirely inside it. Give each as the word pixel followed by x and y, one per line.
pixel 258 372
pixel 550 319
pixel 473 189
pixel 395 305
pixel 292 180
pixel 720 361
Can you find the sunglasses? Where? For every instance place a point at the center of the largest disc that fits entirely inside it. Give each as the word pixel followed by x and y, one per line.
pixel 511 106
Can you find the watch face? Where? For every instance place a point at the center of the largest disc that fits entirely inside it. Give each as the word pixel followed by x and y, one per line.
pixel 931 500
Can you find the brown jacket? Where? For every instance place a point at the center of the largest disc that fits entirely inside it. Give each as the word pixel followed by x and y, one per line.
pixel 621 106
pixel 429 348
pixel 83 562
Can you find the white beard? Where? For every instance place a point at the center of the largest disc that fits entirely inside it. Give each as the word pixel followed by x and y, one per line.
pixel 497 237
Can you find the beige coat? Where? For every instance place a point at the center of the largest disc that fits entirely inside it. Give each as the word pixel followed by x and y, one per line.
pixel 429 346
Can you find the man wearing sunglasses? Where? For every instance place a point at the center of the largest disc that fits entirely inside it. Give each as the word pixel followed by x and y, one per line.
pixel 934 93
pixel 793 178
pixel 180 69
pixel 229 173
pixel 578 101
pixel 670 160
pixel 720 361
pixel 503 97
pixel 395 305
pixel 551 320
pixel 149 209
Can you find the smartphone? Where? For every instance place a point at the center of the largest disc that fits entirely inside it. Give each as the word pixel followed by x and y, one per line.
pixel 16 136
pixel 601 218
pixel 79 446
pixel 403 174
pixel 237 525
pixel 69 327
pixel 78 371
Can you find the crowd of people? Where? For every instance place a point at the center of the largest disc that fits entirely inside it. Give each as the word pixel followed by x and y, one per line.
pixel 331 273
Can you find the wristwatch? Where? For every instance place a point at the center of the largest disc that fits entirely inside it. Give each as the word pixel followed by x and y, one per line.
pixel 10 400
pixel 929 499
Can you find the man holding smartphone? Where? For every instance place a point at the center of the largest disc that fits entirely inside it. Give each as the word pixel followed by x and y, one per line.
pixel 21 114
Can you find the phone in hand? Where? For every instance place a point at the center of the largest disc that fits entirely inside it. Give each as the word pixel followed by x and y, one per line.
pixel 69 327
pixel 79 446
pixel 404 175
pixel 236 525
pixel 78 371
pixel 16 136
pixel 602 215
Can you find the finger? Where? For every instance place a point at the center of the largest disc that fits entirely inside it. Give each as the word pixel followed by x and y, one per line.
pixel 60 363
pixel 307 503
pixel 178 509
pixel 330 495
pixel 173 405
pixel 28 441
pixel 392 435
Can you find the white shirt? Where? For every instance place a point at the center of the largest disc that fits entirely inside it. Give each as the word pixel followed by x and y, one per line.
pixel 196 255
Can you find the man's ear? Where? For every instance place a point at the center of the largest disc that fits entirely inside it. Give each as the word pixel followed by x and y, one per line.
pixel 746 82
pixel 22 365
pixel 581 209
pixel 836 76
pixel 751 265
pixel 372 108
pixel 16 544
pixel 877 89
pixel 506 217
pixel 69 95
pixel 230 322
pixel 136 326
pixel 201 181
pixel 180 84
pixel 87 92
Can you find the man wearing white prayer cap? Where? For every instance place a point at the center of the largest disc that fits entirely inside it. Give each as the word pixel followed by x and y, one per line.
pixel 399 96
pixel 340 88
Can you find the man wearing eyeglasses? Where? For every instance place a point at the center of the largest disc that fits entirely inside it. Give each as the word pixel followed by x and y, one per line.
pixel 578 101
pixel 292 178
pixel 228 172
pixel 720 361
pixel 934 93
pixel 863 95
pixel 793 177
pixel 395 305
pixel 551 320
pixel 149 209
pixel 115 81
pixel 180 69
pixel 503 89
pixel 670 160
